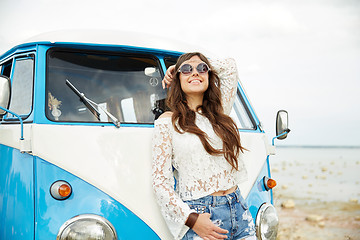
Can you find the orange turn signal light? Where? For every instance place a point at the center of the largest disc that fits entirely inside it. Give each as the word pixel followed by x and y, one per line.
pixel 60 190
pixel 64 190
pixel 269 183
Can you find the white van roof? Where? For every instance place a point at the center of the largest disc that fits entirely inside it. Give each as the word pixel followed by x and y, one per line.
pixel 115 38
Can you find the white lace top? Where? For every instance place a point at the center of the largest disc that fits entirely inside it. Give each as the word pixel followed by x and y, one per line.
pixel 182 156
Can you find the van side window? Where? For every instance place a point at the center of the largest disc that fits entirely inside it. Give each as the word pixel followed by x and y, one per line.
pixel 170 61
pixel 241 115
pixel 126 85
pixel 6 68
pixel 22 85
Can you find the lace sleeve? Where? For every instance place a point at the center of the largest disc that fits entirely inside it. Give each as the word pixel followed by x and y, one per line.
pixel 227 72
pixel 173 209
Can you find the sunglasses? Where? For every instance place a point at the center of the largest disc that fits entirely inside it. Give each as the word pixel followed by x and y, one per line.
pixel 187 69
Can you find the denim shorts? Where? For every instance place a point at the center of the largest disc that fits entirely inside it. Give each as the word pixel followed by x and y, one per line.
pixel 229 212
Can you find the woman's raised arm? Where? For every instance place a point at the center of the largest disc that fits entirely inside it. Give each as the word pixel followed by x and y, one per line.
pixel 227 72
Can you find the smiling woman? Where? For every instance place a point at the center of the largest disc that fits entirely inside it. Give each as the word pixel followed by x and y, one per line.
pixel 209 167
pixel 194 82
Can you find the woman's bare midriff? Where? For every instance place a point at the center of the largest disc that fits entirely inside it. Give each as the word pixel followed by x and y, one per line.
pixel 225 192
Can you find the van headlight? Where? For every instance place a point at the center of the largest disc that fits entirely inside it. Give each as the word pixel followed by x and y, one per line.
pixel 267 222
pixel 87 226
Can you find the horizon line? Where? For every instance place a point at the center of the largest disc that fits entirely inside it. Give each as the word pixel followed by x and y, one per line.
pixel 318 146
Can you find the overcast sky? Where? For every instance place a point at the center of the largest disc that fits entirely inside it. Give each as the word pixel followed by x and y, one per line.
pixel 300 55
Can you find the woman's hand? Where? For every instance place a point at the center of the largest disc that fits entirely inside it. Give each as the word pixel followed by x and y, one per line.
pixel 166 82
pixel 206 229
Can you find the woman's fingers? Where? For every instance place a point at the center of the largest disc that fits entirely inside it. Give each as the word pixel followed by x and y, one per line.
pixel 163 83
pixel 172 69
pixel 166 82
pixel 206 229
pixel 221 230
pixel 212 237
pixel 218 232
pixel 216 235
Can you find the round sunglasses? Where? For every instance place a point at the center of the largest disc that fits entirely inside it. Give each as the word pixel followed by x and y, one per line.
pixel 187 69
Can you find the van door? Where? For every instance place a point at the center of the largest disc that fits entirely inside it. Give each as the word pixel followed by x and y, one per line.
pixel 16 169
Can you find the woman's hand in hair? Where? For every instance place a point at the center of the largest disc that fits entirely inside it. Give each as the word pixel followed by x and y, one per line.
pixel 207 230
pixel 166 82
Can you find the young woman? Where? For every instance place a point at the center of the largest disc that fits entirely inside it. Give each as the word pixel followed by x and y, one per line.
pixel 198 144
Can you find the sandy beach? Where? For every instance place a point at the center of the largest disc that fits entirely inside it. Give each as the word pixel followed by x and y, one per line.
pixel 318 191
pixel 330 221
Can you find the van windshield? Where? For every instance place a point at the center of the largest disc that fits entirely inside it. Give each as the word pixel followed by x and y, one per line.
pixel 126 85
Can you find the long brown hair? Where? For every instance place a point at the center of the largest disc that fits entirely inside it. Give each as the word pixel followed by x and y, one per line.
pixel 211 108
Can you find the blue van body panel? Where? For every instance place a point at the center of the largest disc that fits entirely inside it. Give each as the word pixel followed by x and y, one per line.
pixel 39 75
pixel 20 49
pixel 258 194
pixel 51 214
pixel 269 175
pixel 16 194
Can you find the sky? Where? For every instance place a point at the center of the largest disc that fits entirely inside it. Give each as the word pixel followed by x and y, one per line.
pixel 302 56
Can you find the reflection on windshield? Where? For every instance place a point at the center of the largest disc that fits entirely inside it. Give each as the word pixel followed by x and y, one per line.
pixel 129 87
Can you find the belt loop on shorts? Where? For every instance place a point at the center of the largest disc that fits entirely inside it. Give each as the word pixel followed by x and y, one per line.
pixel 213 201
pixel 237 193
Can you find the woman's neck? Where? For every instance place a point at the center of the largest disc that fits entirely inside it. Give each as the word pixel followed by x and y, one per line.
pixel 194 101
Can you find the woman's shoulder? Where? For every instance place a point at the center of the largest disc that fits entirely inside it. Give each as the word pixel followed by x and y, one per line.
pixel 167 114
pixel 164 118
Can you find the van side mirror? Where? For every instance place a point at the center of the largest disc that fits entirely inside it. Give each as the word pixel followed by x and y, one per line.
pixel 282 124
pixel 4 93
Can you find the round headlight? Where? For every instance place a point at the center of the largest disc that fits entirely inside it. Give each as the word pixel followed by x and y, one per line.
pixel 87 226
pixel 267 222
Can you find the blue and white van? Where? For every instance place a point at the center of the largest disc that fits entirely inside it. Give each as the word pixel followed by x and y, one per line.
pixel 76 121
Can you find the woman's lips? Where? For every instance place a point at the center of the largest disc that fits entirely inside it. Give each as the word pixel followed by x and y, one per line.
pixel 195 81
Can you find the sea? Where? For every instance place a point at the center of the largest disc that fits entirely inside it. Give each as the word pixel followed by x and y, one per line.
pixel 313 173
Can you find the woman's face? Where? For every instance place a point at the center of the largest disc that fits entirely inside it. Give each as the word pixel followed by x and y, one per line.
pixel 194 83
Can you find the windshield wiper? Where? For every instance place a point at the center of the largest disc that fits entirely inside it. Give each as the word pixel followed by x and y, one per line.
pixel 90 105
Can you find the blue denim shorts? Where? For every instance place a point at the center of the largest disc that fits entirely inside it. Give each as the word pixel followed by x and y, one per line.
pixel 229 212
